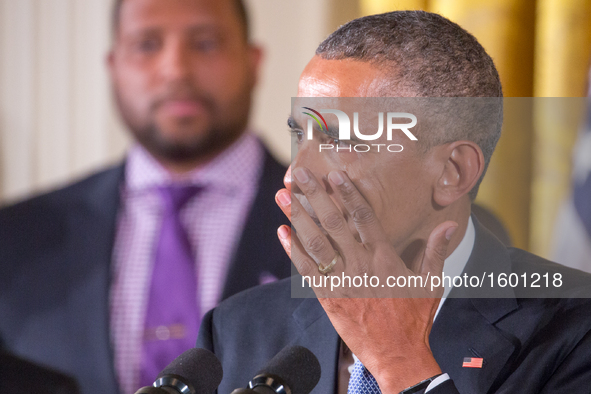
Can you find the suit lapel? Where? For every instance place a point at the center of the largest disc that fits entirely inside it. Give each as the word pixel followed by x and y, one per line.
pixel 462 331
pixel 319 336
pixel 465 327
pixel 91 224
pixel 259 251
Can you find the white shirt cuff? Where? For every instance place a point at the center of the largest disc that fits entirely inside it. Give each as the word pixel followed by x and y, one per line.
pixel 437 381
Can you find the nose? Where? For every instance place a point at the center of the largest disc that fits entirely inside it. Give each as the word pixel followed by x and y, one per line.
pixel 175 61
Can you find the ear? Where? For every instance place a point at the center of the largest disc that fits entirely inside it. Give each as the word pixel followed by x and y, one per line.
pixel 255 58
pixel 463 165
pixel 110 60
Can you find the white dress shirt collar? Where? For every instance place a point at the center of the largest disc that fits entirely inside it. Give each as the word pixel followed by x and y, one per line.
pixel 229 170
pixel 456 262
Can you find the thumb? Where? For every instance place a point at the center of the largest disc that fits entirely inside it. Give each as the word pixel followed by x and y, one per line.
pixel 436 250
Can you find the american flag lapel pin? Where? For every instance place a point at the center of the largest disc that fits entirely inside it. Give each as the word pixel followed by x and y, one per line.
pixel 472 362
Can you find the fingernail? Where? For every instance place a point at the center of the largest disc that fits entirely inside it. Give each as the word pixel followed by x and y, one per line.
pixel 336 177
pixel 283 233
pixel 301 175
pixel 450 232
pixel 284 198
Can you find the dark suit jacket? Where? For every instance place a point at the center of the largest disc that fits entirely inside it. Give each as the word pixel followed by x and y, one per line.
pixel 529 345
pixel 55 259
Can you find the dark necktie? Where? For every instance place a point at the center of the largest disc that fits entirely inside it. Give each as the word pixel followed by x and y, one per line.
pixel 172 315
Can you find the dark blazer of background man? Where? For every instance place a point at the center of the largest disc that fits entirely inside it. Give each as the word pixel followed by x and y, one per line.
pixel 375 210
pixel 183 72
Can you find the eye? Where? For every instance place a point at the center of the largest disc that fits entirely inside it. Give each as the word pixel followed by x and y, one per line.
pixel 298 133
pixel 148 45
pixel 339 143
pixel 205 44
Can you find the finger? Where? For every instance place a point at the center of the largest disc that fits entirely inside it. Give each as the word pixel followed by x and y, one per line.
pixel 306 266
pixel 330 217
pixel 303 263
pixel 369 228
pixel 314 242
pixel 436 250
pixel 284 233
pixel 283 199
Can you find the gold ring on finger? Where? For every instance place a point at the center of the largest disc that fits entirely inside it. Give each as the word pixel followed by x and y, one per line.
pixel 325 270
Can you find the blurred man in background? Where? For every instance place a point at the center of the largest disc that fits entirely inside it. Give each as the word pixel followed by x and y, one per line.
pixel 107 279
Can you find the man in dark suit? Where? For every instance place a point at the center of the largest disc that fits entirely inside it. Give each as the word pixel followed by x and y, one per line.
pixel 529 345
pixel 77 291
pixel 398 217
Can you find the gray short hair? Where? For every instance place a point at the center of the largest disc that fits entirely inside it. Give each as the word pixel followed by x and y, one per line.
pixel 427 55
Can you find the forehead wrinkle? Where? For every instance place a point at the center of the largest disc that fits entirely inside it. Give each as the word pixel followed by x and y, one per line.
pixel 146 14
pixel 313 86
pixel 345 78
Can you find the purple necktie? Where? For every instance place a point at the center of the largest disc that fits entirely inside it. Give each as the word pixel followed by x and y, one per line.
pixel 172 315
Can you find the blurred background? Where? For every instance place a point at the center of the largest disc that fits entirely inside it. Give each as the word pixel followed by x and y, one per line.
pixel 58 123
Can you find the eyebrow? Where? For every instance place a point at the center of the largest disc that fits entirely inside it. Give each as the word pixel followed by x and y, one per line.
pixel 205 28
pixel 201 29
pixel 332 131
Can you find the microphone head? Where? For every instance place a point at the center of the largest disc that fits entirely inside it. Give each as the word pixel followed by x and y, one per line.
pixel 198 368
pixel 297 367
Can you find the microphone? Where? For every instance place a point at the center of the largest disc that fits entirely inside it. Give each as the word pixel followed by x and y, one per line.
pixel 195 371
pixel 294 370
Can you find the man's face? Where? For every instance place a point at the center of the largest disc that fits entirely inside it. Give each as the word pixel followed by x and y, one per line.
pixel 183 73
pixel 398 186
